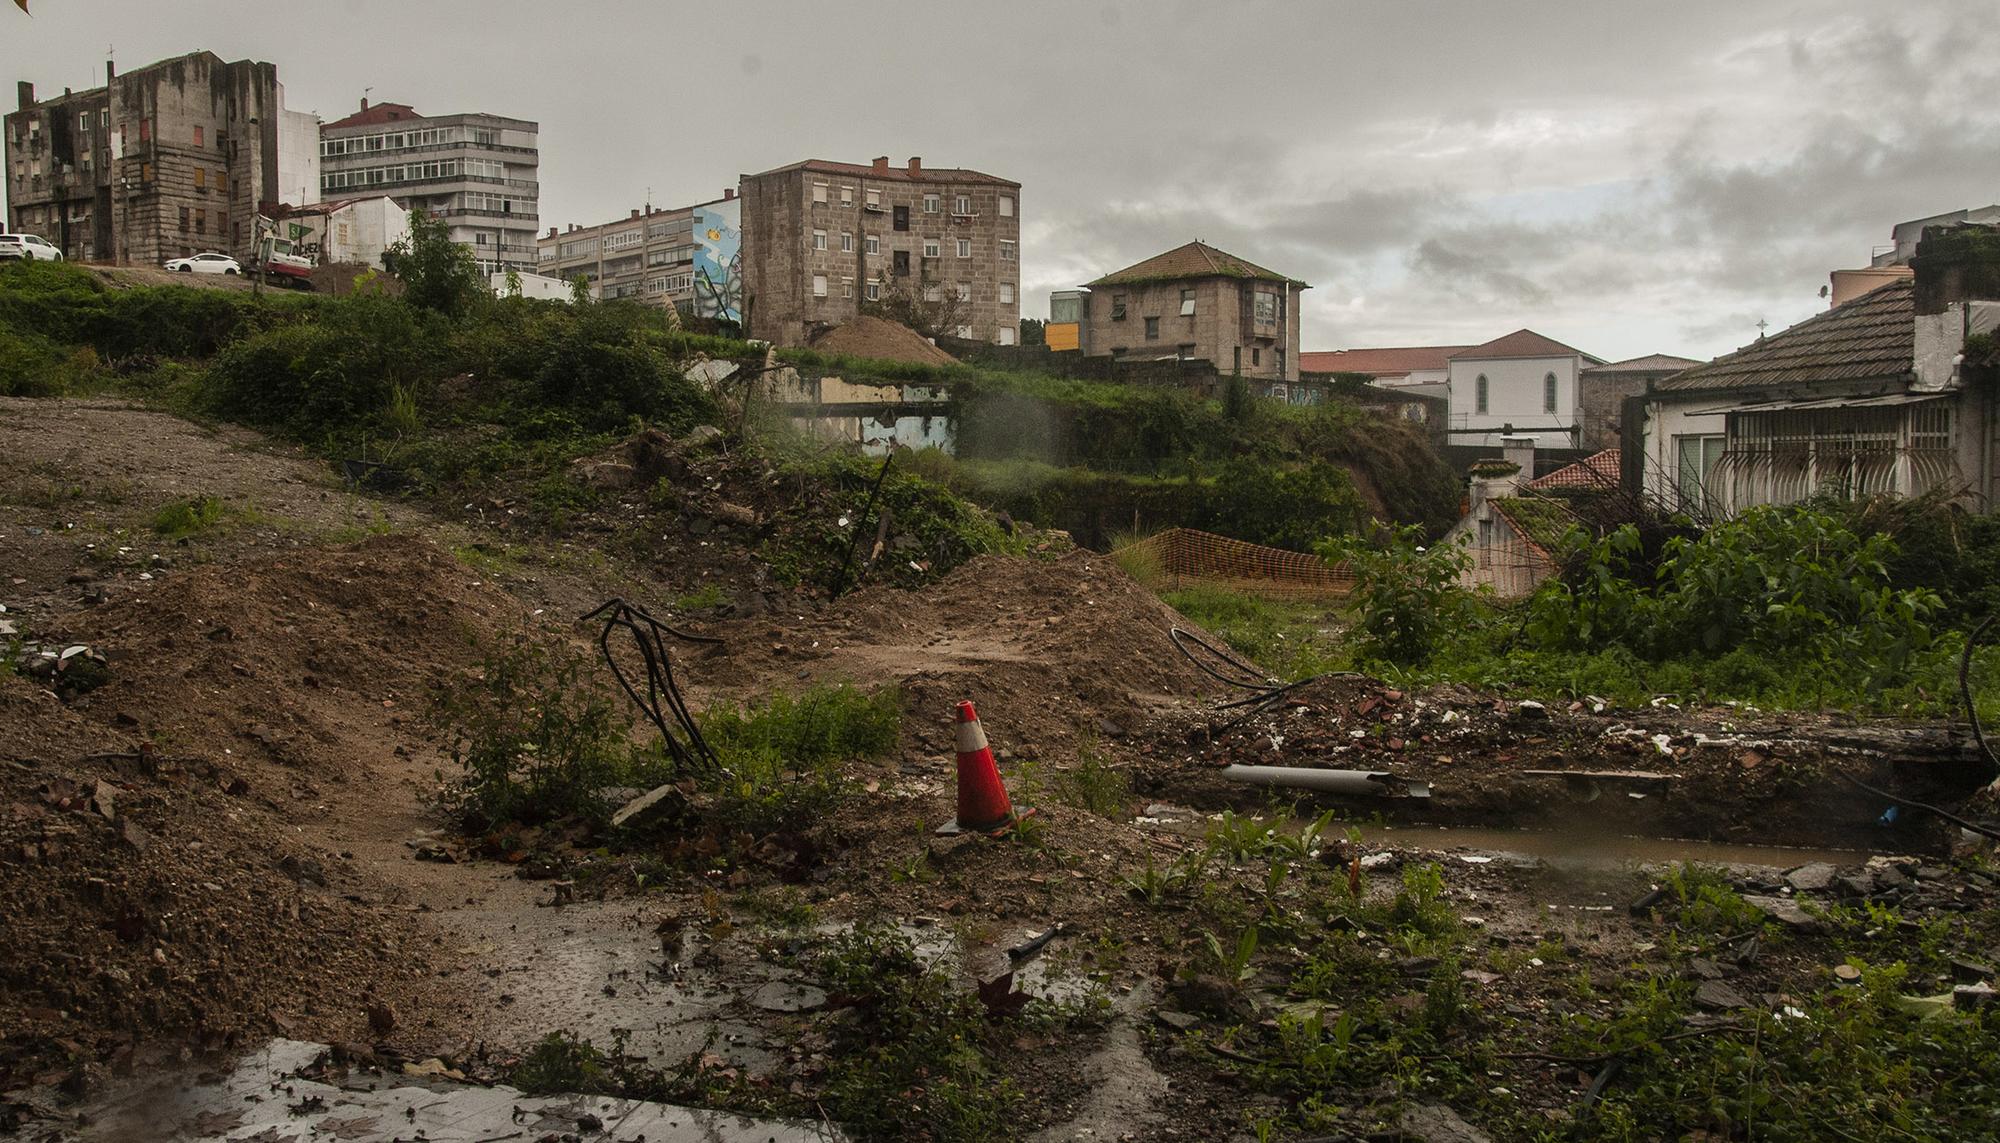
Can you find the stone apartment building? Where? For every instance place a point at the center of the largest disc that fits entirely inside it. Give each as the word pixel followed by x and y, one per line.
pixel 687 257
pixel 1195 302
pixel 821 239
pixel 476 172
pixel 162 161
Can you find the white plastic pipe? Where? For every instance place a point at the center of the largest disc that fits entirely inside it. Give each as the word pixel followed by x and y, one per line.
pixel 1361 783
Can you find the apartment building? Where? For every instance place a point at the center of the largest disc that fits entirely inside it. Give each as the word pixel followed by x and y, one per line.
pixel 476 172
pixel 821 239
pixel 687 257
pixel 161 162
pixel 1196 302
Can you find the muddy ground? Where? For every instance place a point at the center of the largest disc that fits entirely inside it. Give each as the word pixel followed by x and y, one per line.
pixel 214 827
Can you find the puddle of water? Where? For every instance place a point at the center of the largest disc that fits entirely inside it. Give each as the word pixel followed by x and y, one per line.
pixel 1588 848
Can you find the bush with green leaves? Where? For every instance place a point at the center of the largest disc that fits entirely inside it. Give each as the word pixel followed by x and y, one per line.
pixel 1407 597
pixel 534 741
pixel 782 755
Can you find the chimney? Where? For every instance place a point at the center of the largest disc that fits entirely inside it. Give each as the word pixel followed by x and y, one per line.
pixel 916 165
pixel 364 103
pixel 25 91
pixel 635 212
pixel 1492 479
pixel 110 72
pixel 881 162
pixel 552 232
pixel 728 193
pixel 1956 292
pixel 1520 451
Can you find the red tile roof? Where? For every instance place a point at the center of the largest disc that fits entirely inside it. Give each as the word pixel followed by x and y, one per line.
pixel 1651 363
pixel 1394 361
pixel 1194 260
pixel 1599 470
pixel 1524 343
pixel 377 113
pixel 892 173
pixel 1872 337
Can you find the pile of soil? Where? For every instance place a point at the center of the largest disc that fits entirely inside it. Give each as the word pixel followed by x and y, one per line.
pixel 151 902
pixel 1054 652
pixel 1711 773
pixel 881 340
pixel 310 660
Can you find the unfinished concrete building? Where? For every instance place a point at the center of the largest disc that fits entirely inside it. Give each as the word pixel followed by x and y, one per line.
pixel 162 162
pixel 822 239
pixel 476 172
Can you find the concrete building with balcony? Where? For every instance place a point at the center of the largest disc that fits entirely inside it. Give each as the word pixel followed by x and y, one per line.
pixel 687 257
pixel 476 172
pixel 1195 302
pixel 163 161
pixel 822 239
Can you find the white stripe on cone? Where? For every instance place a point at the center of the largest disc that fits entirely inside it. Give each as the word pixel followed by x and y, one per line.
pixel 971 737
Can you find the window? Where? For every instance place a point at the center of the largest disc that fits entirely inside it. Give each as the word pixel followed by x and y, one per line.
pixel 221 181
pixel 819 193
pixel 965 248
pixel 932 248
pixel 872 244
pixel 1256 356
pixel 1187 303
pixel 847 287
pixel 145 130
pixel 1479 394
pixel 1153 331
pixel 900 262
pixel 1006 293
pixel 1006 206
pixel 933 293
pixel 819 285
pixel 847 242
pixel 961 204
pixel 184 219
pixel 1118 307
pixel 197 136
pixel 901 218
pixel 1697 455
pixel 965 332
pixel 200 221
pixel 819 239
pixel 1549 393
pixel 1266 308
pixel 873 291
pixel 965 291
pixel 1006 250
pixel 200 179
pixel 1006 335
pixel 874 200
pixel 847 196
pixel 930 204
pixel 145 172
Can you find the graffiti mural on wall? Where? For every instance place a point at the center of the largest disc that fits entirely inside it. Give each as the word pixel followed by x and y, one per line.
pixel 718 260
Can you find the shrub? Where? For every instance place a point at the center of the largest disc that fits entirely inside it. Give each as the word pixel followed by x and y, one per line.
pixel 1406 597
pixel 783 754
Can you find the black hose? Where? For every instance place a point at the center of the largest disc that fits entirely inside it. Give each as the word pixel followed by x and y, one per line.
pixel 1264 691
pixel 662 702
pixel 1965 692
pixel 1983 831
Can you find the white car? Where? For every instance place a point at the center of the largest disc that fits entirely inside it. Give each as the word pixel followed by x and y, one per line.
pixel 28 247
pixel 210 263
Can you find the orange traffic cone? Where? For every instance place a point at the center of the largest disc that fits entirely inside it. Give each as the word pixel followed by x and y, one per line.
pixel 983 806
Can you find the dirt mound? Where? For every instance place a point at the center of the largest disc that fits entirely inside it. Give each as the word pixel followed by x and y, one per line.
pixel 149 896
pixel 314 659
pixel 881 340
pixel 1052 651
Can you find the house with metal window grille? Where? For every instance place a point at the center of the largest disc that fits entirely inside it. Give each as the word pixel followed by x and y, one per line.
pixel 1866 398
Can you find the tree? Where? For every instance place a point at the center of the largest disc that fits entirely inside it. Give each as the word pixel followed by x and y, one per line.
pixel 437 273
pixel 1031 332
pixel 934 318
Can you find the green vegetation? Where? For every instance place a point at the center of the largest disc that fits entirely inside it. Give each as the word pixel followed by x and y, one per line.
pixel 195 515
pixel 782 756
pixel 1292 639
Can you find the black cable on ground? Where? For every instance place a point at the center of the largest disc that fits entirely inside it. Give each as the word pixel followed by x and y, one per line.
pixel 1265 691
pixel 1983 831
pixel 1965 692
pixel 662 702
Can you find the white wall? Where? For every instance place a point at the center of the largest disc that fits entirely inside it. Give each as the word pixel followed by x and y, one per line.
pixel 298 157
pixel 1514 396
pixel 1666 420
pixel 361 231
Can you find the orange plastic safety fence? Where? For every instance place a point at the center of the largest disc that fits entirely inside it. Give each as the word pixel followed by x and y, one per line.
pixel 1181 555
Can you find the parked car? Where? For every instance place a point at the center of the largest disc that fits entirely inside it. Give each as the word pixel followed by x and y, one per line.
pixel 208 263
pixel 29 247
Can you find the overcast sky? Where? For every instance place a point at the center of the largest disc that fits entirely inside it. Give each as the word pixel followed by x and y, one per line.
pixel 1624 177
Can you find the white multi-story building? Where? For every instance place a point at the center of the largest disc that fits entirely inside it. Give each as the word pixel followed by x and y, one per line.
pixel 1521 387
pixel 476 172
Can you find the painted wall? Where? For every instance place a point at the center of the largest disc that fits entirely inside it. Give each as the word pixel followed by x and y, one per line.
pixel 718 260
pixel 1514 396
pixel 298 157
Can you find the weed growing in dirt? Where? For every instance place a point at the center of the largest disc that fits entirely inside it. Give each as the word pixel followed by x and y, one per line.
pixel 1292 640
pixel 1706 904
pixel 708 595
pixel 561 1062
pixel 1092 784
pixel 186 518
pixel 783 755
pixel 918 1062
pixel 534 742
